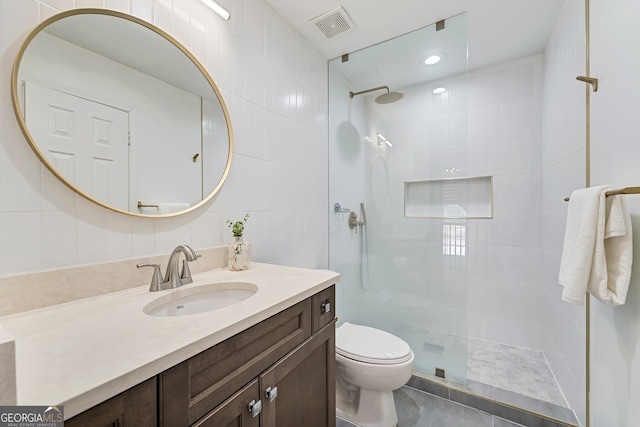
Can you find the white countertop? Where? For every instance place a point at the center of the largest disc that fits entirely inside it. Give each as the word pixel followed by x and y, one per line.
pixel 81 353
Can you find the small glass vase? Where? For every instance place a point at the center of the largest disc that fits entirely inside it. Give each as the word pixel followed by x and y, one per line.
pixel 239 254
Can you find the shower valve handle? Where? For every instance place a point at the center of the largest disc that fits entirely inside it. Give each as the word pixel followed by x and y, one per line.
pixel 353 220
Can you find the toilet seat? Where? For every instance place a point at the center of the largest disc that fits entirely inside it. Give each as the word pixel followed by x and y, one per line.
pixel 370 345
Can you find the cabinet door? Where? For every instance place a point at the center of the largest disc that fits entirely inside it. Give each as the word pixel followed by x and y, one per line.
pixel 196 386
pixel 235 411
pixel 135 407
pixel 305 382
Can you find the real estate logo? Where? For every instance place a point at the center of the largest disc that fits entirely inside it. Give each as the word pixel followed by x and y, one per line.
pixel 31 416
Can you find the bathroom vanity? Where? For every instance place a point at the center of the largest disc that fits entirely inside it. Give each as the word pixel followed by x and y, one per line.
pixel 268 360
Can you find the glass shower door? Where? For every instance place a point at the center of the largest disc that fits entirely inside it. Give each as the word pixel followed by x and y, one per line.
pixel 404 275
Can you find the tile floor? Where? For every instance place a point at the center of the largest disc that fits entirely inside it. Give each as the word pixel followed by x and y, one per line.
pixel 519 370
pixel 419 409
pixel 516 376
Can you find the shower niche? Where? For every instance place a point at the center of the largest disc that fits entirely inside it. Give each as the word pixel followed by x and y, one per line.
pixel 449 198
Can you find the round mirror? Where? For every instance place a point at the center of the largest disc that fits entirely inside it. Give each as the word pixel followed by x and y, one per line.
pixel 122 113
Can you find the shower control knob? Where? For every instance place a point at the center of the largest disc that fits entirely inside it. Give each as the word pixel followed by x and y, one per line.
pixel 353 220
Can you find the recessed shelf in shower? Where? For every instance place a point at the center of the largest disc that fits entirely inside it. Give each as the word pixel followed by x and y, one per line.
pixel 470 197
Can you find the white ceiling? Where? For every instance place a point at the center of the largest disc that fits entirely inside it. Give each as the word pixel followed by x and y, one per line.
pixel 498 30
pixel 398 63
pixel 106 35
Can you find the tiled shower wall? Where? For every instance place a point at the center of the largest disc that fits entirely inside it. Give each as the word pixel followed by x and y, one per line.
pixel 563 170
pixel 488 124
pixel 497 133
pixel 347 175
pixel 615 115
pixel 505 255
pixel 274 84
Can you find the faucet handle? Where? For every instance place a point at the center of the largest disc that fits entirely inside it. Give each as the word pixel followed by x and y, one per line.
pixel 156 279
pixel 185 274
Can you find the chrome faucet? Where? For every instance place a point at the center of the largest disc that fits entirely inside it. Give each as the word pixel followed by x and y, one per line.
pixel 173 278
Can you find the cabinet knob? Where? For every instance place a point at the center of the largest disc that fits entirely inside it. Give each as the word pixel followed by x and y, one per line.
pixel 271 393
pixel 325 308
pixel 255 408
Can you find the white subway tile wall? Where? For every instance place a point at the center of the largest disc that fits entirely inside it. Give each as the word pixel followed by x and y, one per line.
pixel 274 84
pixel 615 361
pixel 563 170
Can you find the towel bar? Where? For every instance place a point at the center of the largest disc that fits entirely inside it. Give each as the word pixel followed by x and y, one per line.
pixel 141 205
pixel 626 190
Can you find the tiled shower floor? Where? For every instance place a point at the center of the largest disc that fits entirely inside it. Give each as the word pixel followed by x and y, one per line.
pixel 519 370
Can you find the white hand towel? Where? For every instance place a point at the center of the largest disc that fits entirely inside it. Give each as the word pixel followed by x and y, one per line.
pixel 166 208
pixel 611 269
pixel 597 251
pixel 579 241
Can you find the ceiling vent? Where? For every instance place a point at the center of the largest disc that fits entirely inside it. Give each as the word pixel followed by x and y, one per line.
pixel 334 22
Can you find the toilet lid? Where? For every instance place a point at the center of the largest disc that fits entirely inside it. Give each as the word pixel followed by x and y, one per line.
pixel 371 345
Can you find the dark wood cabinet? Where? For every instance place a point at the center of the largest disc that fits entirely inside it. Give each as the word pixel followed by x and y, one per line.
pixel 236 411
pixel 305 385
pixel 323 308
pixel 291 353
pixel 134 407
pixel 193 388
pixel 279 372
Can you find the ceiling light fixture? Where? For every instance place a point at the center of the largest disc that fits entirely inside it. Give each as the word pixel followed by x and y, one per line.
pixel 432 59
pixel 224 13
pixel 439 90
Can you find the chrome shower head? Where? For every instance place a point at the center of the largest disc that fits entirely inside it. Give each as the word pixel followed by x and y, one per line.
pixel 385 98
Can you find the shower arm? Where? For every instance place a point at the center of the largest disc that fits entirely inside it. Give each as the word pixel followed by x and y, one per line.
pixel 352 94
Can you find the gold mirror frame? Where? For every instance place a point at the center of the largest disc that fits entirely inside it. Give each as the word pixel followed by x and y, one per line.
pixel 23 126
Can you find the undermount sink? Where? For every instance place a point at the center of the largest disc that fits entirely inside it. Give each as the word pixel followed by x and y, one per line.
pixel 200 299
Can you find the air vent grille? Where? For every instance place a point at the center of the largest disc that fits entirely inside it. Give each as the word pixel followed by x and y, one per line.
pixel 333 23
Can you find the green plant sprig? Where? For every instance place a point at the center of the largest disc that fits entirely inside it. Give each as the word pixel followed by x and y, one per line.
pixel 237 227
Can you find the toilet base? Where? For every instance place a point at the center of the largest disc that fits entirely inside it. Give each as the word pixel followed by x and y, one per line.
pixel 369 408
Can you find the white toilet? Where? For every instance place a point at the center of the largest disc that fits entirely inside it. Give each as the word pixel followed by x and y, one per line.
pixel 370 364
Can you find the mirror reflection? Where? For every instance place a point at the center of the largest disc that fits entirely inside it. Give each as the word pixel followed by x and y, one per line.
pixel 122 113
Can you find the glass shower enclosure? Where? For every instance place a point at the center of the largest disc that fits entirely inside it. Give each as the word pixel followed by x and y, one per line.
pixel 399 174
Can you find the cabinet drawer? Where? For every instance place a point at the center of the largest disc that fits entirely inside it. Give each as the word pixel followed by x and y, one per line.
pixel 191 389
pixel 324 308
pixel 234 412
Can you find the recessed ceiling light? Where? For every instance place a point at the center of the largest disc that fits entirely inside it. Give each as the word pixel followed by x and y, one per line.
pixel 432 59
pixel 439 90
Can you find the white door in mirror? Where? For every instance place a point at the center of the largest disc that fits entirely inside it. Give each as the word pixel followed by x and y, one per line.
pixel 86 141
